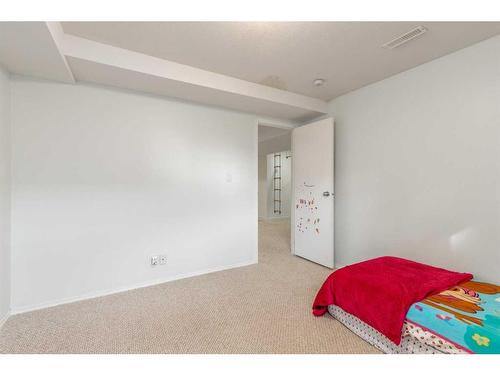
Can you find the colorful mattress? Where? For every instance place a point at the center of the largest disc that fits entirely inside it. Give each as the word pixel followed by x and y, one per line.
pixel 462 319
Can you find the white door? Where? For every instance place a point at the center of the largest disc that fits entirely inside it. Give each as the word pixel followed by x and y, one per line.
pixel 313 192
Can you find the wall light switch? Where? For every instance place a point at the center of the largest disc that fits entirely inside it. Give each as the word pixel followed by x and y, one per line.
pixel 155 260
pixel 163 259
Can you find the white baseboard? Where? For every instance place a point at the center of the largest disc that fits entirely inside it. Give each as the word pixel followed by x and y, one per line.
pixel 102 293
pixel 4 319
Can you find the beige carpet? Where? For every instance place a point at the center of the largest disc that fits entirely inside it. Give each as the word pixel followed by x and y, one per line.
pixel 264 308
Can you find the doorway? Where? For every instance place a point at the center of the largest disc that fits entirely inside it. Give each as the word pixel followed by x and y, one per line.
pixel 299 192
pixel 275 185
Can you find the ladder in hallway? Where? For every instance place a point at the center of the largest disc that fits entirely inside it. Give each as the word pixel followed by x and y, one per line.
pixel 277 184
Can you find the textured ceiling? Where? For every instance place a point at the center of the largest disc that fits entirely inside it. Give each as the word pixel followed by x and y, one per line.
pixel 268 132
pixel 290 55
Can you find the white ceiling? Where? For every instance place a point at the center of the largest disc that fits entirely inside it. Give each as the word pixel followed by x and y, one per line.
pixel 290 55
pixel 266 68
pixel 268 132
pixel 30 48
pixel 104 64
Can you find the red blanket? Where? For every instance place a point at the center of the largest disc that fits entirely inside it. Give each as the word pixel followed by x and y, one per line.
pixel 380 291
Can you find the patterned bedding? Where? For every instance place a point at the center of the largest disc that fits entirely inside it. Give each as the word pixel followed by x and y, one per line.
pixel 467 316
pixel 462 319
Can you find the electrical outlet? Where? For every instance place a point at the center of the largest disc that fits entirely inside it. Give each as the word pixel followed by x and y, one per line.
pixel 163 260
pixel 155 260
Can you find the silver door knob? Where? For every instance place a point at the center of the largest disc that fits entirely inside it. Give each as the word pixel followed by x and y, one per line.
pixel 326 193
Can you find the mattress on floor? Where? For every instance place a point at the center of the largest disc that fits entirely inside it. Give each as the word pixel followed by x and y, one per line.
pixel 462 319
pixel 411 342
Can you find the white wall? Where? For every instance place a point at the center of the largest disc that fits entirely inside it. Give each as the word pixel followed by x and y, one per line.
pixel 417 161
pixel 276 144
pixel 262 168
pixel 4 195
pixel 102 179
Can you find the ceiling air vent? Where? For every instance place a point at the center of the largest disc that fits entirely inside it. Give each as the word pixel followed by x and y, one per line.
pixel 406 37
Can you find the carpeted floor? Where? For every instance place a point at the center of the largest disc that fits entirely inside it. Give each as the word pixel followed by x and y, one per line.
pixel 264 308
